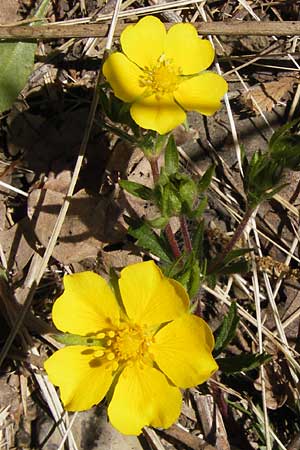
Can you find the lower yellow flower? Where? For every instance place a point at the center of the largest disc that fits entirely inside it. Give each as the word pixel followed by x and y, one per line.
pixel 163 74
pixel 141 351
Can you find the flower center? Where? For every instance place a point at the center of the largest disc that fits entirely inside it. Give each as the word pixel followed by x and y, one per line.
pixel 128 343
pixel 161 78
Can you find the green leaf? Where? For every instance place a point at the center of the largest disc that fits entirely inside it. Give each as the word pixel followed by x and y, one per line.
pixel 234 254
pixel 206 179
pixel 241 266
pixel 160 143
pixel 188 192
pixel 242 363
pixel 74 339
pixel 227 262
pixel 171 203
pixel 226 331
pixel 282 131
pixel 158 222
pixel 171 157
pixel 197 212
pixel 149 240
pixel 194 281
pixel 136 189
pixel 17 61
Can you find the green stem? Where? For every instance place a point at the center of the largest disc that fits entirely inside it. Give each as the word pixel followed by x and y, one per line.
pixel 168 230
pixel 236 235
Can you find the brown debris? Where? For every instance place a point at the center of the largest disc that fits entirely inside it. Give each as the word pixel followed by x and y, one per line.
pixel 265 97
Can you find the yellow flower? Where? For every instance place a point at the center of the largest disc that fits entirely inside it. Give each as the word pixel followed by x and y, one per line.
pixel 163 74
pixel 147 348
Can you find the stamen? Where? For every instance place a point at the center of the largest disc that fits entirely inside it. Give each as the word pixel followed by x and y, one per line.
pixel 100 335
pixel 111 334
pixel 161 78
pixel 128 343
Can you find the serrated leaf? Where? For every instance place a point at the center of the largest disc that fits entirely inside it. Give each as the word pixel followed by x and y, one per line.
pixel 74 339
pixel 136 189
pixel 206 179
pixel 171 157
pixel 149 240
pixel 17 61
pixel 242 363
pixel 226 331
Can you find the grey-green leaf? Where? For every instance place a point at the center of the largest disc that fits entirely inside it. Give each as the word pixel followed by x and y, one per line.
pixel 149 240
pixel 226 331
pixel 171 157
pixel 243 362
pixel 16 62
pixel 136 189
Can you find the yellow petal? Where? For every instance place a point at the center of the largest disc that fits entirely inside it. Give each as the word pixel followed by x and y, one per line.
pixel 187 50
pixel 202 93
pixel 86 306
pixel 123 76
pixel 182 350
pixel 82 380
pixel 149 297
pixel 160 114
pixel 143 42
pixel 142 397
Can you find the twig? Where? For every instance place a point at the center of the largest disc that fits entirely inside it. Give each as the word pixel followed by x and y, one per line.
pixel 82 30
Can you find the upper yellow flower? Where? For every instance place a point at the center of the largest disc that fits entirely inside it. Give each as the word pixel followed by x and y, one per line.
pixel 162 74
pixel 140 350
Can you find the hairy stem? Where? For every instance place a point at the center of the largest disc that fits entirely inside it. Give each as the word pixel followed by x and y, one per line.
pixel 185 234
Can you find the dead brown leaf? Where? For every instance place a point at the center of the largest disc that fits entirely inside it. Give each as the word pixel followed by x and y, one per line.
pixel 276 384
pixel 118 258
pixel 86 228
pixel 59 182
pixel 267 95
pixel 18 245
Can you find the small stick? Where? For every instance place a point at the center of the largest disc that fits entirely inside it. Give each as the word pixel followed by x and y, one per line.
pixel 232 28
